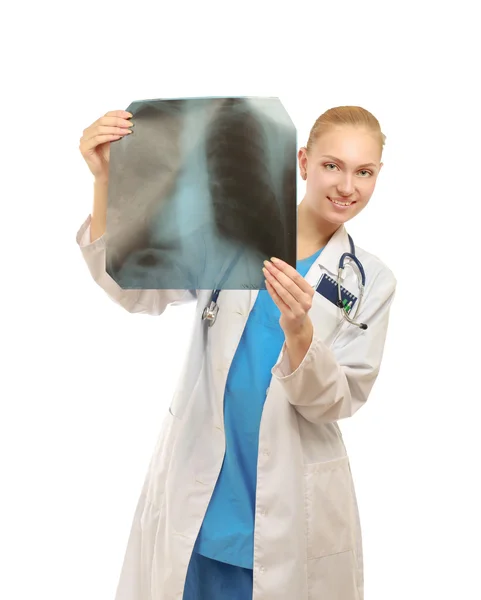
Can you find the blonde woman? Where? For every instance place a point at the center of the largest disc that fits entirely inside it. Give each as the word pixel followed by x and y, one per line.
pixel 249 493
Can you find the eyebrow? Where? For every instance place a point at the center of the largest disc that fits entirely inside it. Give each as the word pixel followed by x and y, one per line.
pixel 334 159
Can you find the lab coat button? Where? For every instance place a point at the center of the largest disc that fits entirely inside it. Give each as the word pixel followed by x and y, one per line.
pixel 266 452
pixel 262 569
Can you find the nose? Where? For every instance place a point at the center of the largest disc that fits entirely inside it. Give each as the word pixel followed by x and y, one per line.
pixel 345 186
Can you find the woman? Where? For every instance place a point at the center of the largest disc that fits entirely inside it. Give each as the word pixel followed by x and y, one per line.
pixel 249 491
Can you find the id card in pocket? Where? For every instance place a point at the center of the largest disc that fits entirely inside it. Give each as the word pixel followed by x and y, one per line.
pixel 327 287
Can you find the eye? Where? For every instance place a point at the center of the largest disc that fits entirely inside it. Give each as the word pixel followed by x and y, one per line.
pixel 327 165
pixel 365 173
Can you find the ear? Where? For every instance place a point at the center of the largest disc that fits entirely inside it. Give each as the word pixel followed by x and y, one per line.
pixel 302 160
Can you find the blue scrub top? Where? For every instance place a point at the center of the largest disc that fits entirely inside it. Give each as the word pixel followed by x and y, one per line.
pixel 227 533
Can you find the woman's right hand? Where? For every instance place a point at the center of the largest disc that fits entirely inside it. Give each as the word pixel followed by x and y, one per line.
pixel 95 141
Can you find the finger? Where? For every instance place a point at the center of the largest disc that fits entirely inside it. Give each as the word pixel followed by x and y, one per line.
pixel 287 298
pixel 119 113
pixel 292 273
pixel 87 146
pixel 304 298
pixel 282 306
pixel 284 280
pixel 114 121
pixel 114 115
pixel 119 118
pixel 101 130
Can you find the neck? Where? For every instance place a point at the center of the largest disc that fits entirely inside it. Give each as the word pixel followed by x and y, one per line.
pixel 312 230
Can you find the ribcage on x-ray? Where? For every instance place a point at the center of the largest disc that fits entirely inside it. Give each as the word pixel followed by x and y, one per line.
pixel 243 195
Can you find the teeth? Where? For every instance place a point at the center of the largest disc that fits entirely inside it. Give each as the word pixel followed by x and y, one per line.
pixel 342 203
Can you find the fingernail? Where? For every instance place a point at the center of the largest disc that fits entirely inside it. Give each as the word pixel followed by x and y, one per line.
pixel 274 259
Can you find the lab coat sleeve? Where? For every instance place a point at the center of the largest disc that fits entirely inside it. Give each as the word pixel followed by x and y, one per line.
pixel 332 383
pixel 151 302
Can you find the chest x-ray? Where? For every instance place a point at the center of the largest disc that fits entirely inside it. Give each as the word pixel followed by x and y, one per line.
pixel 201 193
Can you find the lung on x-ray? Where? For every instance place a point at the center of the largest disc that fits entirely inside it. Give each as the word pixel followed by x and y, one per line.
pixel 201 193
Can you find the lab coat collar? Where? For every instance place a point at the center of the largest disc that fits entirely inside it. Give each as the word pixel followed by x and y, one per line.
pixel 334 249
pixel 330 256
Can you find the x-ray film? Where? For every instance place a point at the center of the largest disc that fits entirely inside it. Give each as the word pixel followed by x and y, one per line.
pixel 201 193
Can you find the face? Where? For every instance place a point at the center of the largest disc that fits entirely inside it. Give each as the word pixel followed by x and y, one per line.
pixel 340 170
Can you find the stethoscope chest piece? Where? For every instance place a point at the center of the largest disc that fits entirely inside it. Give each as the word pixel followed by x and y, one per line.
pixel 209 313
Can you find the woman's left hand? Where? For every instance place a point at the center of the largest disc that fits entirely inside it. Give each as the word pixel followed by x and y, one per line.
pixel 292 295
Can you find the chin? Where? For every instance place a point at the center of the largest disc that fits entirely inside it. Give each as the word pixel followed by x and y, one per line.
pixel 338 219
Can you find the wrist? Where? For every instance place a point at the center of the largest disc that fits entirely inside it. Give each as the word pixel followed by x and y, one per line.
pixel 298 344
pixel 302 336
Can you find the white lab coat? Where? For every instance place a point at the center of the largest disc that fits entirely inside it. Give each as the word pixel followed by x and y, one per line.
pixel 307 540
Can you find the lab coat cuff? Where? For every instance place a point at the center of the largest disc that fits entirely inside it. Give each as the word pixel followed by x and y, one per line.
pixel 282 369
pixel 83 238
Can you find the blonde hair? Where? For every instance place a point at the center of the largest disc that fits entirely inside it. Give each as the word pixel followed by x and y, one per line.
pixel 345 115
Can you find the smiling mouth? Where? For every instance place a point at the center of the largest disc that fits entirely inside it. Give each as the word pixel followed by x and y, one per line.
pixel 343 204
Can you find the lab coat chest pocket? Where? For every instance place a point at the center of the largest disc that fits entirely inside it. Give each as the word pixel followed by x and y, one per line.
pixel 326 318
pixel 329 507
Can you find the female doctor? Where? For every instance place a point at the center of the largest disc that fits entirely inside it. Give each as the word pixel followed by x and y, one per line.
pixel 249 493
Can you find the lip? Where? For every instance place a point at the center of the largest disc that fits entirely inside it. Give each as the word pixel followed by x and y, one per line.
pixel 339 206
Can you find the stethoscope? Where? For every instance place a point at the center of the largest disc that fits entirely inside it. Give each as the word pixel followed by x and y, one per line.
pixel 210 312
pixel 361 282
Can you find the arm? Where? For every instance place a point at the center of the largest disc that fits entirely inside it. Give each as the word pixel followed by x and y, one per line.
pixel 91 240
pixel 99 210
pixel 333 383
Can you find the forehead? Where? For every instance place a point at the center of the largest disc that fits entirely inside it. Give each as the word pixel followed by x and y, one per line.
pixel 352 145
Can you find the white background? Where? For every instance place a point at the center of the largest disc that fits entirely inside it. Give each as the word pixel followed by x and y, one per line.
pixel 85 385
